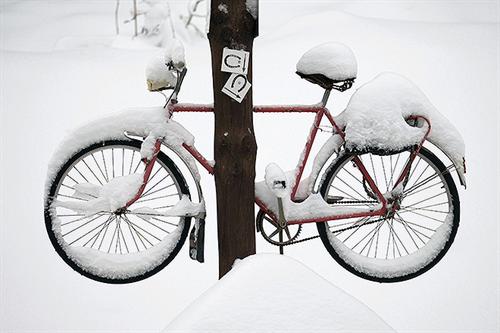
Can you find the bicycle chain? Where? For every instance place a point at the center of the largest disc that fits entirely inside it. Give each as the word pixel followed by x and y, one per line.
pixel 336 231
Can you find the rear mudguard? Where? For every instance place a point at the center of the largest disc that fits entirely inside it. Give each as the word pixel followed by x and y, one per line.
pixel 333 146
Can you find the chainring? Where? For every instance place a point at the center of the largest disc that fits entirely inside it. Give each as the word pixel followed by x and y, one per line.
pixel 291 235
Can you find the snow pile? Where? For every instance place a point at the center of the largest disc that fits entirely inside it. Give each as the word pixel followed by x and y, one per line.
pixel 399 266
pixel 106 198
pixel 184 207
pixel 158 76
pixel 273 293
pixel 171 131
pixel 312 207
pixel 334 60
pixel 276 180
pixel 375 117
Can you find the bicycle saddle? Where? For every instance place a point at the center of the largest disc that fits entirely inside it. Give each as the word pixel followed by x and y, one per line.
pixel 329 65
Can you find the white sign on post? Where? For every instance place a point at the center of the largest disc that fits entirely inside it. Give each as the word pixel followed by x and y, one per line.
pixel 235 61
pixel 236 87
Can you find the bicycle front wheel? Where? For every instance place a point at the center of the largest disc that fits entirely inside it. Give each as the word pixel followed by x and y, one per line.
pixel 109 244
pixel 402 245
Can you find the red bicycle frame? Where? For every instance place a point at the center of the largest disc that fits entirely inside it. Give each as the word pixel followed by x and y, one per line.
pixel 320 111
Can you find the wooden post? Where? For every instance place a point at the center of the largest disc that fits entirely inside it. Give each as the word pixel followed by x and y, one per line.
pixel 232 26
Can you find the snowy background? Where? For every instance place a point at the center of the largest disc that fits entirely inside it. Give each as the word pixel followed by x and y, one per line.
pixel 61 66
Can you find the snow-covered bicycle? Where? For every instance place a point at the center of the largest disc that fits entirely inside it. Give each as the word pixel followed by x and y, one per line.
pixel 118 209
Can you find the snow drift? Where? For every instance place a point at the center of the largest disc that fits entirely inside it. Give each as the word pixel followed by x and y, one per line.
pixel 273 293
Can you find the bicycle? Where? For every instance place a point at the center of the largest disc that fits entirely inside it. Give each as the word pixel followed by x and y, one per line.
pixel 384 215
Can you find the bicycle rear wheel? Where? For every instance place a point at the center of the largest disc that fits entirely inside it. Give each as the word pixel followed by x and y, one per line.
pixel 109 244
pixel 400 246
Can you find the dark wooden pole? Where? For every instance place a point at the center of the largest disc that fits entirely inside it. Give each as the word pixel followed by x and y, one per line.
pixel 232 26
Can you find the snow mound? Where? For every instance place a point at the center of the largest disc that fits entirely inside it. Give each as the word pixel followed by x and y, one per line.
pixel 375 117
pixel 334 60
pixel 273 293
pixel 108 197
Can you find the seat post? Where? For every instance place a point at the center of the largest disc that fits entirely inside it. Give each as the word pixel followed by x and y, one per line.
pixel 326 95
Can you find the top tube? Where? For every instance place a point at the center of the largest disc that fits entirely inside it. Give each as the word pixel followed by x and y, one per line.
pixel 182 107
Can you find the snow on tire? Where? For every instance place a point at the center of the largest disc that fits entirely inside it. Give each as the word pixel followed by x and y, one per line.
pixel 398 247
pixel 101 241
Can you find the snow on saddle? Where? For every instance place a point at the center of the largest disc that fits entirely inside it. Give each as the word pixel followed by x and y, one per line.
pixel 330 65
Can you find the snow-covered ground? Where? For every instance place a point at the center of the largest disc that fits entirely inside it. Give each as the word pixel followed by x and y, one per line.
pixel 274 293
pixel 58 69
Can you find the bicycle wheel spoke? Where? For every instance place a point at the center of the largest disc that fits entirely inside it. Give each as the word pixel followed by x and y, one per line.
pixel 360 222
pixel 105 165
pixel 162 207
pixel 362 197
pixel 104 235
pixel 123 161
pixel 118 242
pixel 108 221
pixel 353 176
pixel 113 237
pixel 374 231
pixel 139 235
pixel 385 175
pixel 388 244
pixel 425 209
pixel 137 166
pixel 423 215
pixel 341 191
pixel 113 161
pixel 78 219
pixel 88 232
pixel 146 220
pixel 427 199
pixel 373 168
pixel 422 189
pixel 124 241
pixel 415 168
pixel 393 170
pixel 133 237
pixel 82 225
pixel 73 179
pixel 91 171
pixel 407 226
pixel 144 230
pixel 70 197
pixel 166 222
pixel 131 162
pixel 422 173
pixel 160 197
pixel 156 191
pixel 77 170
pixel 376 242
pixel 415 231
pixel 99 167
pixel 154 175
pixel 399 239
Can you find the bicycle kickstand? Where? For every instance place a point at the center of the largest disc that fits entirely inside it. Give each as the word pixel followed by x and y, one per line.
pixel 281 222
